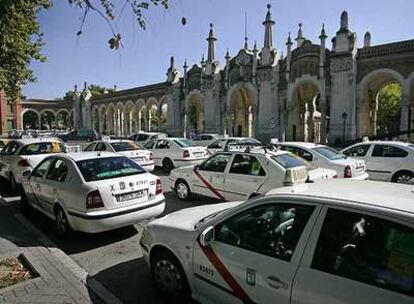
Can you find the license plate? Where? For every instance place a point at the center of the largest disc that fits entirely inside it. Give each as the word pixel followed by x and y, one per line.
pixel 198 154
pixel 139 158
pixel 130 196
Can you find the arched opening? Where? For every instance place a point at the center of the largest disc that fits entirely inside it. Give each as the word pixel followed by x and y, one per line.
pixel 110 120
pixel 306 113
pixel 70 121
pixel 128 116
pixel 62 120
pixel 47 120
pixel 196 118
pixel 96 118
pixel 163 115
pixel 388 104
pixel 243 112
pixel 140 116
pixel 31 120
pixel 380 111
pixel 120 120
pixel 104 119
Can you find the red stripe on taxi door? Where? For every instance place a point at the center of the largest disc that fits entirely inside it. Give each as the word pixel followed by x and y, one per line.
pixel 207 184
pixel 238 291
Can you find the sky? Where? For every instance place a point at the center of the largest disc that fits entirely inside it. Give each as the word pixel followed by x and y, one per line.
pixel 145 55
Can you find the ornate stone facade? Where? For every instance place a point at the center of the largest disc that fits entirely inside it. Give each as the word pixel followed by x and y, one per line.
pixel 313 94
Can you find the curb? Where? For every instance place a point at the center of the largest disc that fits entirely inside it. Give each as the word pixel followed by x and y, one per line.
pixel 104 294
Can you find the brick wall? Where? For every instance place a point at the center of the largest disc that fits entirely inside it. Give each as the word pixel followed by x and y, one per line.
pixel 3 112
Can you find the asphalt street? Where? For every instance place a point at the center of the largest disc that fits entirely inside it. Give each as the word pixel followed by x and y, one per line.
pixel 113 258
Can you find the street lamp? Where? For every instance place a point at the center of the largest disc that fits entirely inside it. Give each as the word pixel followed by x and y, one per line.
pixel 344 117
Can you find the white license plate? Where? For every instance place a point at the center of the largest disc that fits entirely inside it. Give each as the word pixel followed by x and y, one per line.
pixel 130 196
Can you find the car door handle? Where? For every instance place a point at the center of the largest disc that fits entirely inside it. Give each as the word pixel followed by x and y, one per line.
pixel 276 283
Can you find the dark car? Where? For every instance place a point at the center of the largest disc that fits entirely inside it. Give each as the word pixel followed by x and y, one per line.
pixel 81 135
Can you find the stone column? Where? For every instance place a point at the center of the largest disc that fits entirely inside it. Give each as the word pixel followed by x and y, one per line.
pixel 404 114
pixel 323 120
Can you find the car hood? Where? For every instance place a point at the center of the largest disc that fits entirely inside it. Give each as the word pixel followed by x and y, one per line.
pixel 187 219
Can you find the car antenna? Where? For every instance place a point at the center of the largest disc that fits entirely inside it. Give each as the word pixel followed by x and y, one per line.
pixel 98 153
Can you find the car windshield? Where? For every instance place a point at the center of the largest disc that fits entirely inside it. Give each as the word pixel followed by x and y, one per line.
pixel 184 143
pixel 97 169
pixel 288 160
pixel 124 146
pixel 209 217
pixel 329 153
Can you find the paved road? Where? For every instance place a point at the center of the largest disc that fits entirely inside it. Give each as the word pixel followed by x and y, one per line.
pixel 114 258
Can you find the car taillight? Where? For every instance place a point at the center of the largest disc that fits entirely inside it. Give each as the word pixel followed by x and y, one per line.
pixel 158 189
pixel 151 156
pixel 186 153
pixel 23 163
pixel 94 200
pixel 347 172
pixel 335 176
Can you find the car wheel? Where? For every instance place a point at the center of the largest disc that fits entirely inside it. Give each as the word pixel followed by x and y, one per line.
pixel 183 190
pixel 61 222
pixel 169 277
pixel 167 165
pixel 403 177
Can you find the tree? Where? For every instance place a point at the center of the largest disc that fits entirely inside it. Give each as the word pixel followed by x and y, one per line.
pixel 21 39
pixel 20 43
pixel 389 110
pixel 98 90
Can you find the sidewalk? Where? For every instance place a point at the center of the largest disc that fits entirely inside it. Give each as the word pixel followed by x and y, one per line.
pixel 60 281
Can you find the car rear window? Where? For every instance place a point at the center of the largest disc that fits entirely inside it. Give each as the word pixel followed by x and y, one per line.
pixel 329 153
pixel 42 148
pixel 184 143
pixel 97 169
pixel 124 146
pixel 288 160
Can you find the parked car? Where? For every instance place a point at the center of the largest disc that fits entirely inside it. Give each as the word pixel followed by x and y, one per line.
pixel 93 193
pixel 3 142
pixel 174 152
pixel 326 157
pixel 24 154
pixel 233 143
pixel 206 139
pixel 81 135
pixel 144 158
pixel 143 137
pixel 241 175
pixel 340 241
pixel 390 161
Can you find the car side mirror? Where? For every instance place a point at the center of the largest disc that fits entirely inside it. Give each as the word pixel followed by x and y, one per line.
pixel 26 174
pixel 207 236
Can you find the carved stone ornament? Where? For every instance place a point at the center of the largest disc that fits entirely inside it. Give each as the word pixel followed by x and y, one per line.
pixel 265 75
pixel 341 65
pixel 243 59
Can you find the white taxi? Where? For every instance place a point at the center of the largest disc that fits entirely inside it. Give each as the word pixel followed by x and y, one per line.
pixel 233 144
pixel 93 191
pixel 390 161
pixel 338 241
pixel 174 152
pixel 143 137
pixel 241 175
pixel 22 155
pixel 127 148
pixel 326 157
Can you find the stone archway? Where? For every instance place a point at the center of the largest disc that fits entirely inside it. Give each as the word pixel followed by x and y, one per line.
pixel 110 120
pixel 163 111
pixel 47 120
pixel 103 120
pixel 62 119
pixel 31 119
pixel 195 113
pixel 378 115
pixel 305 122
pixel 128 117
pixel 140 115
pixel 96 119
pixel 242 111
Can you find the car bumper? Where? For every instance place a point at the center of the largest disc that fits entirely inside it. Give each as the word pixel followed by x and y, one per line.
pixel 94 223
pixel 148 167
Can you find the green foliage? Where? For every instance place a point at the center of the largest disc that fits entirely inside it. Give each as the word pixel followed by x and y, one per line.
pixel 20 43
pixel 389 110
pixel 98 90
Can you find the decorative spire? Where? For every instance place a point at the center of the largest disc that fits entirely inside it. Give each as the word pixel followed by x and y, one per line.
pixel 203 62
pixel 344 20
pixel 227 55
pixel 246 39
pixel 255 50
pixel 211 56
pixel 323 33
pixel 367 39
pixel 268 23
pixel 300 39
pixel 289 41
pixel 185 65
